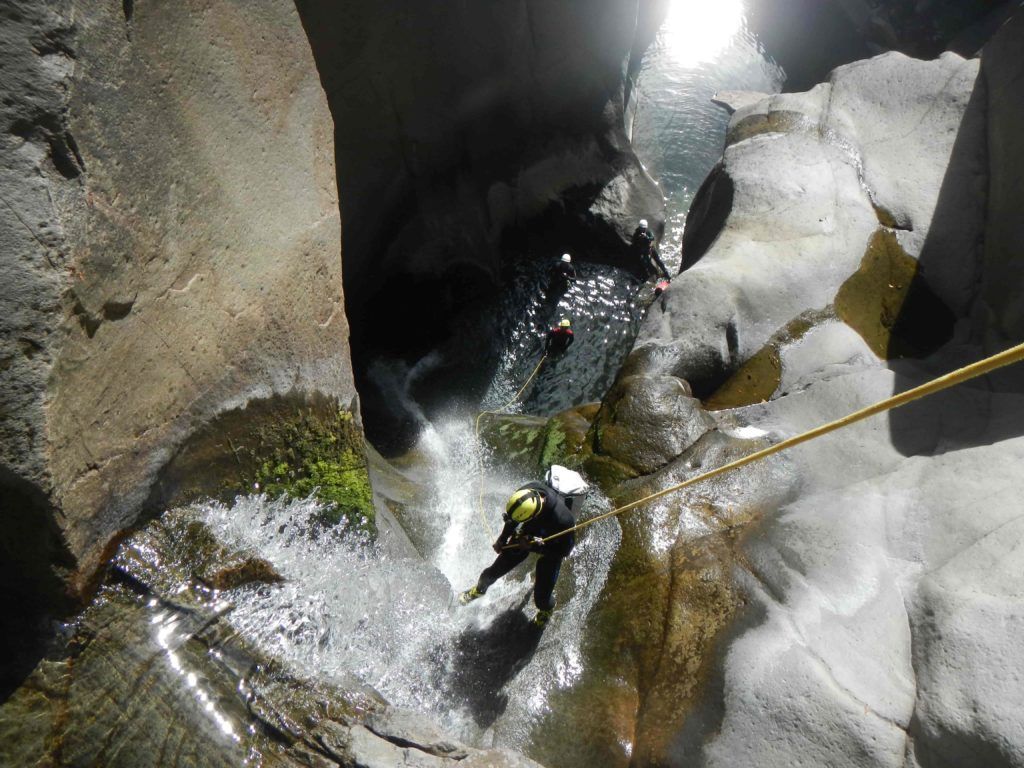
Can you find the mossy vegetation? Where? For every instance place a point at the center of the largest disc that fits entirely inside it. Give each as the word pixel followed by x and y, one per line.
pixel 319 455
pixel 282 446
pixel 532 443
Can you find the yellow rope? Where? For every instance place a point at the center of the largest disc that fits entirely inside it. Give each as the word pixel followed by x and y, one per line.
pixel 980 368
pixel 479 463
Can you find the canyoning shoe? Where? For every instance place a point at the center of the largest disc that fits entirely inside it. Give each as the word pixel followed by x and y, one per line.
pixel 542 618
pixel 470 595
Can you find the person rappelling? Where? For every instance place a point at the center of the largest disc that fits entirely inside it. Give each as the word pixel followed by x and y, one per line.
pixel 559 338
pixel 646 252
pixel 563 274
pixel 535 511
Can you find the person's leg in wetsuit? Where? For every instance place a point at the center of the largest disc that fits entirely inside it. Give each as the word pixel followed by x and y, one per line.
pixel 502 564
pixel 546 575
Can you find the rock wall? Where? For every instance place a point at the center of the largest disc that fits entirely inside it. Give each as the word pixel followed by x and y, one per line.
pixel 171 234
pixel 865 170
pixel 1003 77
pixel 844 31
pixel 868 619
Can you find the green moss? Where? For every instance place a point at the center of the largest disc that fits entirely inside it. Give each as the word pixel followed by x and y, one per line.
pixel 319 454
pixel 294 444
pixel 553 447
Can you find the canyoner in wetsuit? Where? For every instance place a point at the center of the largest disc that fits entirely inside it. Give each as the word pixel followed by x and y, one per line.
pixel 647 253
pixel 563 274
pixel 534 512
pixel 559 338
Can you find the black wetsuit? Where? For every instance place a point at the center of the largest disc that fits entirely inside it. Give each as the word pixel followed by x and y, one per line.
pixel 562 274
pixel 559 339
pixel 647 253
pixel 553 517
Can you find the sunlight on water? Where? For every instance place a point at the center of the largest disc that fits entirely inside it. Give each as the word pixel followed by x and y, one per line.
pixel 605 306
pixel 697 30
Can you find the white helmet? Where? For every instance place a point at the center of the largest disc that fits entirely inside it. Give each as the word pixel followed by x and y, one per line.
pixel 566 258
pixel 643 223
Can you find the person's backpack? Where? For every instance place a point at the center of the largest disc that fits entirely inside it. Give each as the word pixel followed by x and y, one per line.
pixel 568 483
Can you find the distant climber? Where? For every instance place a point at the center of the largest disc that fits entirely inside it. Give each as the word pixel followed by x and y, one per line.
pixel 646 252
pixel 534 512
pixel 563 274
pixel 560 338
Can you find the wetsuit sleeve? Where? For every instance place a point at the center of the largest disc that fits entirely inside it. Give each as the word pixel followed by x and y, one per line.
pixel 570 338
pixel 506 532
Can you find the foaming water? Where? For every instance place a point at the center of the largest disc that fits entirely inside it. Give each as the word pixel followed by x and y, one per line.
pixel 350 607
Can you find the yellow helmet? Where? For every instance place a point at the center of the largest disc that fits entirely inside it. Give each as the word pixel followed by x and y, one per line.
pixel 524 504
pixel 565 323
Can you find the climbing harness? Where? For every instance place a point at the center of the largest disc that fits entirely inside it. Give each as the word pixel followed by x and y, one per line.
pixel 479 463
pixel 980 368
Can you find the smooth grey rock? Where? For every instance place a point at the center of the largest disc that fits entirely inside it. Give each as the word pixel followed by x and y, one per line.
pixel 888 602
pixel 812 177
pixel 788 244
pixel 171 234
pixel 405 726
pixel 918 129
pixel 831 347
pixel 885 599
pixel 646 421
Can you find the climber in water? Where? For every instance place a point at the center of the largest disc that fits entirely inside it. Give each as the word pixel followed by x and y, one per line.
pixel 563 274
pixel 534 512
pixel 560 338
pixel 646 252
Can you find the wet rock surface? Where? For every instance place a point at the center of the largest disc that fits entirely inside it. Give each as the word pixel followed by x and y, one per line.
pixel 153 674
pixel 870 611
pixel 172 236
pixel 873 146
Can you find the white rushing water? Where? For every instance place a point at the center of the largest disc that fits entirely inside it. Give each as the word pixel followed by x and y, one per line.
pixel 348 608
